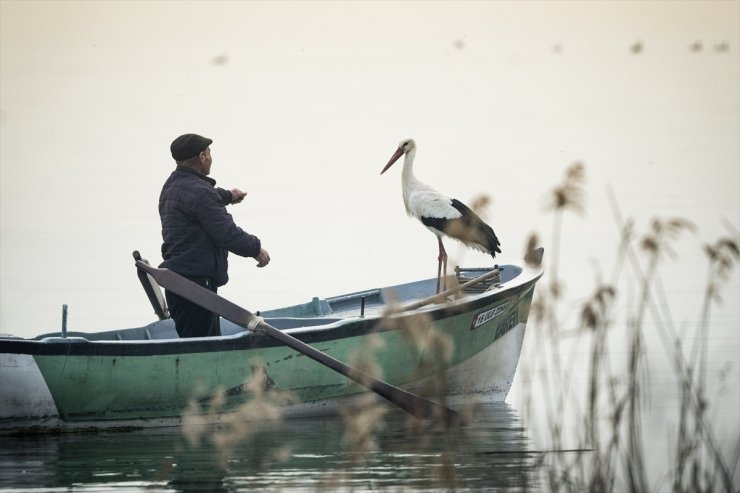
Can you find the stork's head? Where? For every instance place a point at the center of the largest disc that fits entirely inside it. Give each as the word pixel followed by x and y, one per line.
pixel 405 146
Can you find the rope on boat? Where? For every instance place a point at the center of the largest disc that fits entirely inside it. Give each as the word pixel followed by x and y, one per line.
pixel 254 322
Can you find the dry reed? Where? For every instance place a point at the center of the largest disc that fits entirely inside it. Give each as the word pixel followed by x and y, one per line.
pixel 617 459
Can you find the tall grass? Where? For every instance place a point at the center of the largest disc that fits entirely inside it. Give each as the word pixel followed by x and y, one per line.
pixel 612 403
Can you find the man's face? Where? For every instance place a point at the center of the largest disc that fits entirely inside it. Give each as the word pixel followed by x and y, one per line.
pixel 205 160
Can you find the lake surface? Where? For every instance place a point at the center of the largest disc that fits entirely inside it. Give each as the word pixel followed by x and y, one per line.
pixel 493 452
pixel 305 102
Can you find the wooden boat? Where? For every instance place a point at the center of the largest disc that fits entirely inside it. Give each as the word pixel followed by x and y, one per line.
pixel 147 376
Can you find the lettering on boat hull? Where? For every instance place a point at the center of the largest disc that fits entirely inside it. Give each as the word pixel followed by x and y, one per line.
pixel 488 315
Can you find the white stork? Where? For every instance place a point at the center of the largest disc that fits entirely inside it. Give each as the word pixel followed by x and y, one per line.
pixel 442 215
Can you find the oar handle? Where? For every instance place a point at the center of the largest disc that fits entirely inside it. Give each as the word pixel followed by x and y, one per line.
pixel 156 298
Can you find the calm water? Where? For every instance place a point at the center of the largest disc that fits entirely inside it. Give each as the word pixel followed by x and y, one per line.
pixel 491 453
pixel 501 98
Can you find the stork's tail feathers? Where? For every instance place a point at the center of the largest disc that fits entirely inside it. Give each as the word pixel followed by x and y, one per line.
pixel 493 243
pixel 472 230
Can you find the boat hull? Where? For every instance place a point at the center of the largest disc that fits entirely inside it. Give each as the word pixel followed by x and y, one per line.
pixel 459 352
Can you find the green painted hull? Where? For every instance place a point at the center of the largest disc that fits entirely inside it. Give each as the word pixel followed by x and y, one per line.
pixel 98 380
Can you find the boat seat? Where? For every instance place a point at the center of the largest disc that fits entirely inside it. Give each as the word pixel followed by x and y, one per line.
pixel 314 308
pixel 161 329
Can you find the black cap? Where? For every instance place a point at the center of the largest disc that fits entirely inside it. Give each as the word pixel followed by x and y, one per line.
pixel 188 145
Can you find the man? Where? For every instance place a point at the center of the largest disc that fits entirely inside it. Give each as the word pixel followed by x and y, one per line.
pixel 198 233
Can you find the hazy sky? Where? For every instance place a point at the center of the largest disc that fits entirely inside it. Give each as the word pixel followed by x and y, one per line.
pixel 133 38
pixel 306 101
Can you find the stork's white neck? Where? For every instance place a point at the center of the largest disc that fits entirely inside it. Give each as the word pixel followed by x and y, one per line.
pixel 409 182
pixel 408 166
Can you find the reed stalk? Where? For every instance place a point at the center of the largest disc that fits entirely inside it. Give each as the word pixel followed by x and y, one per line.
pixel 617 461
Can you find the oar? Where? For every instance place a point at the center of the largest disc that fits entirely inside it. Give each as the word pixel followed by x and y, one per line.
pixel 411 403
pixel 440 297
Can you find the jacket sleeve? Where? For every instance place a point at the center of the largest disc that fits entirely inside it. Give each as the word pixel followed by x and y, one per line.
pixel 220 226
pixel 225 195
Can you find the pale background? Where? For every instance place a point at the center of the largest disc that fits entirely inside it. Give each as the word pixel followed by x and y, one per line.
pixel 306 101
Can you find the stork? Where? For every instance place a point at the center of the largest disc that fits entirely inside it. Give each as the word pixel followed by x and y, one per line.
pixel 442 215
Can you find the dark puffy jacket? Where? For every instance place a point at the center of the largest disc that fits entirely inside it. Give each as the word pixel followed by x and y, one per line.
pixel 197 232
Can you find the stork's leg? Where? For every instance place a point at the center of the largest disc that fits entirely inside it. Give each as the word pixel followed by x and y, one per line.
pixel 442 258
pixel 444 273
pixel 439 272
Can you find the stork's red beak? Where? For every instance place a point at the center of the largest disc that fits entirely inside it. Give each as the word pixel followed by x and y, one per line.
pixel 394 158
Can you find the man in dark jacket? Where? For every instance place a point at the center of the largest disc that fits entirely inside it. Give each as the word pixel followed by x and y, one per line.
pixel 198 233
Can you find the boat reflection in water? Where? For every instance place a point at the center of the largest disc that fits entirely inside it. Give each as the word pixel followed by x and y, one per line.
pixel 310 454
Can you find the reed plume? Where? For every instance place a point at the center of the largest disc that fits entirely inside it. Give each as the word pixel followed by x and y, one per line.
pixel 614 454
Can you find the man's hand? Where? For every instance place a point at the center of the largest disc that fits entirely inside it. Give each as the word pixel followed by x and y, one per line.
pixel 263 258
pixel 237 195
